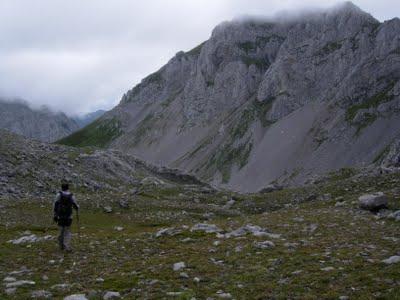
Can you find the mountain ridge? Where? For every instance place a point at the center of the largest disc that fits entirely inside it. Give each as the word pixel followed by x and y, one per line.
pixel 41 124
pixel 263 101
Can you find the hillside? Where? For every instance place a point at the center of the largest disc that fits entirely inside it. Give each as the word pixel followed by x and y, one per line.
pixel 266 101
pixel 149 233
pixel 40 124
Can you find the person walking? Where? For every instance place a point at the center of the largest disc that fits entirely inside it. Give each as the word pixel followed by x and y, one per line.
pixel 65 202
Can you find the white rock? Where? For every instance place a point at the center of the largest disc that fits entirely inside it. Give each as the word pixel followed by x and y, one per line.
pixel 251 229
pixel 169 231
pixel 392 260
pixel 99 279
pixel 111 295
pixel 76 297
pixel 19 283
pixel 179 266
pixel 208 228
pixel 61 287
pixel 10 291
pixel 42 294
pixel 118 228
pixel 223 295
pixel 327 269
pixel 264 245
pixel 184 275
pixel 32 238
pixel 9 279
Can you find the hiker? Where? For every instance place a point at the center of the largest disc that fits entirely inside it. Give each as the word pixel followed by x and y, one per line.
pixel 63 205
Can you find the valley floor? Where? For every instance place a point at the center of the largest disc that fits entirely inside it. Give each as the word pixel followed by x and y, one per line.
pixel 317 249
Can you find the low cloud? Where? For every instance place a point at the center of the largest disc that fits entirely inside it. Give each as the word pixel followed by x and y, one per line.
pixel 79 56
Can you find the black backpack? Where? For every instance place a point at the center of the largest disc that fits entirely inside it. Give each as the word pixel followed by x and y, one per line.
pixel 64 207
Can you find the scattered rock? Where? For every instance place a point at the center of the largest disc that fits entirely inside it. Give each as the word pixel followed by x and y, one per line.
pixel 170 231
pixel 392 260
pixel 30 239
pixel 9 279
pixel 251 229
pixel 10 291
pixel 111 295
pixel 179 266
pixel 76 297
pixel 395 215
pixel 229 204
pixel 123 203
pixel 61 287
pixel 223 295
pixel 327 269
pixel 340 204
pixel 41 294
pixel 118 228
pixel 19 283
pixel 107 209
pixel 208 228
pixel 264 245
pixel 373 202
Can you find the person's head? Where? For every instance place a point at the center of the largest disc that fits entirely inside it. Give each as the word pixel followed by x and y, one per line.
pixel 64 186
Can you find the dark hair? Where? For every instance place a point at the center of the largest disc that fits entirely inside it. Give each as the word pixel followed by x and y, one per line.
pixel 64 186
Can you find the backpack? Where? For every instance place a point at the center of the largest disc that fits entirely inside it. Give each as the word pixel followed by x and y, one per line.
pixel 64 207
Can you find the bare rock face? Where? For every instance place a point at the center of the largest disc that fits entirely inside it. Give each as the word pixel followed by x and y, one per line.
pixel 267 101
pixel 373 202
pixel 42 125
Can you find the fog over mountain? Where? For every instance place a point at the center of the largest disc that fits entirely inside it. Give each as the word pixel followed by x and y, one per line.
pixel 40 124
pixel 63 55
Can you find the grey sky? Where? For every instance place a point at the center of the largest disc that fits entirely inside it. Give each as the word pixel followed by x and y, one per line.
pixel 79 56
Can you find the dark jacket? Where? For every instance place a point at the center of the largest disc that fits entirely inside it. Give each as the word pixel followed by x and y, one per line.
pixel 62 209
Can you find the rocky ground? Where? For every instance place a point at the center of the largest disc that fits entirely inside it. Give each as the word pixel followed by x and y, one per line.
pixel 149 233
pixel 166 243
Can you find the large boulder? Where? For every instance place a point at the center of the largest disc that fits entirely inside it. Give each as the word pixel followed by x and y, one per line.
pixel 373 202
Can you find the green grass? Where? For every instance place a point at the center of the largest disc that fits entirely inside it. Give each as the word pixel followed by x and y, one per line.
pixel 138 265
pixel 100 133
pixel 373 102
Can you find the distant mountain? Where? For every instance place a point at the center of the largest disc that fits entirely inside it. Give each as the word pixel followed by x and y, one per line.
pixel 89 118
pixel 40 124
pixel 265 101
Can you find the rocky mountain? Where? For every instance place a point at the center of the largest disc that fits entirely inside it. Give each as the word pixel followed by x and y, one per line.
pixel 30 167
pixel 89 117
pixel 40 124
pixel 265 101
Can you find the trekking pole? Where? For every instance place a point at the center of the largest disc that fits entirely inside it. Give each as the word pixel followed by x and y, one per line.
pixel 79 226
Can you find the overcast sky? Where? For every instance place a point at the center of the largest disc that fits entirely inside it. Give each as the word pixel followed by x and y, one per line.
pixel 81 55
